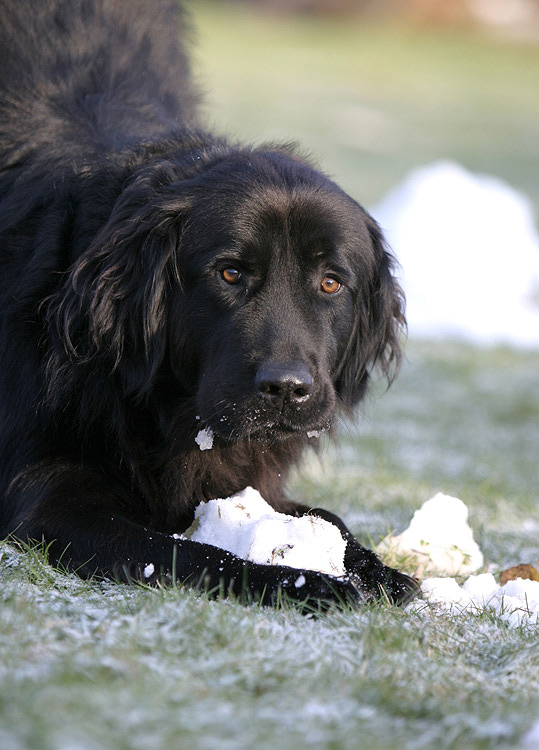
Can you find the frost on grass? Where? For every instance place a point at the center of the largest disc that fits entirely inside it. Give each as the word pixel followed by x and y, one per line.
pixel 440 541
pixel 247 526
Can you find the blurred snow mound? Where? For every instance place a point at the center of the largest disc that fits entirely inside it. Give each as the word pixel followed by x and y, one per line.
pixel 469 251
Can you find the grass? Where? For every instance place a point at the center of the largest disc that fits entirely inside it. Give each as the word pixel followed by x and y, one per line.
pixel 459 420
pixel 372 102
pixel 99 666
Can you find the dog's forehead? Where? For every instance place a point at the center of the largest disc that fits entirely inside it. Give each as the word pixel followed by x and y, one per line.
pixel 315 222
pixel 259 209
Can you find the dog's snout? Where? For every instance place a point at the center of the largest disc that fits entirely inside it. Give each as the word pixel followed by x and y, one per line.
pixel 282 383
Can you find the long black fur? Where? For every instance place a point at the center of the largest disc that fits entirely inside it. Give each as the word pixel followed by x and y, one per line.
pixel 156 281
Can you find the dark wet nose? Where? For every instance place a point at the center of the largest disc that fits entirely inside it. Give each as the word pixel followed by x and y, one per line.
pixel 284 383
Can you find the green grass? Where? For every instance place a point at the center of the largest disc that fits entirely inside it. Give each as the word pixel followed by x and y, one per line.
pixel 459 420
pixel 372 102
pixel 99 666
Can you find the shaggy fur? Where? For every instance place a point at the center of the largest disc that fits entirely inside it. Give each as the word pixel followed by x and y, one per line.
pixel 156 280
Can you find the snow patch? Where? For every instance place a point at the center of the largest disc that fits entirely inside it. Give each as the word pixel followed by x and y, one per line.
pixel 440 538
pixel 247 526
pixel 469 251
pixel 516 602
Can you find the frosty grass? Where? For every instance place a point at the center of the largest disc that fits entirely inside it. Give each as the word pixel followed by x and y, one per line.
pixel 438 539
pixel 100 666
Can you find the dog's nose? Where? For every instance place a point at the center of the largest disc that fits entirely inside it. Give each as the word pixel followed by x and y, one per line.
pixel 283 382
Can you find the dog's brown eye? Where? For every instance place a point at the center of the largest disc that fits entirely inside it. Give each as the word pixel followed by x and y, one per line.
pixel 231 275
pixel 330 285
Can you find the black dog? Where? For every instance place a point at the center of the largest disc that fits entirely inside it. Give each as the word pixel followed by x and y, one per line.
pixel 156 282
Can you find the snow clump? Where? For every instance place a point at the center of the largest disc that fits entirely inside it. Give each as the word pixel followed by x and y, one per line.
pixel 441 540
pixel 247 526
pixel 204 439
pixel 440 537
pixel 516 602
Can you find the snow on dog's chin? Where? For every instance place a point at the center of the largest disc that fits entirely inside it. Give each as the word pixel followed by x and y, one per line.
pixel 247 526
pixel 204 439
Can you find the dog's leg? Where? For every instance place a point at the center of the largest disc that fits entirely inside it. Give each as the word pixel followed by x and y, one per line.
pixel 374 579
pixel 86 528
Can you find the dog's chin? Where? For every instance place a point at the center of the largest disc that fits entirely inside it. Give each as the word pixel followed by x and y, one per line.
pixel 270 433
pixel 235 422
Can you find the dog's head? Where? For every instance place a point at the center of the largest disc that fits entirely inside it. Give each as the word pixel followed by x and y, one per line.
pixel 261 288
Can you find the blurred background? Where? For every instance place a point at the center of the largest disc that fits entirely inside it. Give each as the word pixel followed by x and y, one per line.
pixel 375 90
pixel 427 113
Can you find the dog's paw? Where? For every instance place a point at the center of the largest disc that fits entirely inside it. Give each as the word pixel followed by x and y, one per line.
pixel 318 590
pixel 374 579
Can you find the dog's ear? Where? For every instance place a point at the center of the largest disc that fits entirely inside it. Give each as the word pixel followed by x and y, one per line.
pixel 111 310
pixel 379 324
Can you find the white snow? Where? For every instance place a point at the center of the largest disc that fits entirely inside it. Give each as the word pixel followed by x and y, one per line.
pixel 440 538
pixel 250 528
pixel 517 602
pixel 442 541
pixel 149 570
pixel 469 251
pixel 204 439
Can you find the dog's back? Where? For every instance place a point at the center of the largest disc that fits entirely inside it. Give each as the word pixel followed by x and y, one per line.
pixel 78 78
pixel 82 82
pixel 157 283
